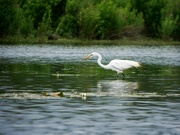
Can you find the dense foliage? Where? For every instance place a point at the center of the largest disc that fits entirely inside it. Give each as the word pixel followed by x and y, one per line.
pixel 91 19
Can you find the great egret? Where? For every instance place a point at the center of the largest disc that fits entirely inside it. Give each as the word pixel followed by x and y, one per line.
pixel 116 65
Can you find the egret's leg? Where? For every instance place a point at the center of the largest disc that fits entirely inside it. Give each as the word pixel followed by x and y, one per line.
pixel 123 75
pixel 117 76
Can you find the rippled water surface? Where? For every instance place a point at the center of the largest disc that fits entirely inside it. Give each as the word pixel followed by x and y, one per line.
pixel 145 102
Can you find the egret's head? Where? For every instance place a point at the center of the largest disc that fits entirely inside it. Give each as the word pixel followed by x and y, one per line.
pixel 87 57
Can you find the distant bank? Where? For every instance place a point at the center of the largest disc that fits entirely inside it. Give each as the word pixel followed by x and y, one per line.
pixel 65 41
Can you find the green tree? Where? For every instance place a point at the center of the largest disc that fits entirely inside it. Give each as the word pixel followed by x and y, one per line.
pixel 111 21
pixel 7 14
pixel 151 10
pixel 68 25
pixel 13 20
pixel 88 22
pixel 37 9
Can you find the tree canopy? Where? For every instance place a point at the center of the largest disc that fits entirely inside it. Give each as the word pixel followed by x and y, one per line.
pixel 91 19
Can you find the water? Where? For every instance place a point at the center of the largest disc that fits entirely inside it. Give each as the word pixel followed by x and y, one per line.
pixel 146 102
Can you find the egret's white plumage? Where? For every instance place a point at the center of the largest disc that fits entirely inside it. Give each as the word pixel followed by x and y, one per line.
pixel 116 65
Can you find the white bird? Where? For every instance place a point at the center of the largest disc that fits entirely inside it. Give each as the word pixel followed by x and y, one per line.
pixel 116 65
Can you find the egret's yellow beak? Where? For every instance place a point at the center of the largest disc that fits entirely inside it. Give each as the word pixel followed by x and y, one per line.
pixel 87 56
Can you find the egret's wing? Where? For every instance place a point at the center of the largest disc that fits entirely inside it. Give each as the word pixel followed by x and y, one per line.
pixel 123 64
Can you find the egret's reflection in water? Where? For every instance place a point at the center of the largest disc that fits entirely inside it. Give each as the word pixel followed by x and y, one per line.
pixel 117 86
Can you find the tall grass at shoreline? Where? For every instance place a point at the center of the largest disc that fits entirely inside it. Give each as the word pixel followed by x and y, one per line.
pixel 64 41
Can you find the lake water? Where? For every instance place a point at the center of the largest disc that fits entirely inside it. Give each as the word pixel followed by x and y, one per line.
pixel 145 102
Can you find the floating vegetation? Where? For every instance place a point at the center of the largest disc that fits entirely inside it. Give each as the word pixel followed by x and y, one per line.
pixel 55 94
pixel 84 96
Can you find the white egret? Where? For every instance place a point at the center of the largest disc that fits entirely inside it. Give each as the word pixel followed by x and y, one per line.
pixel 116 65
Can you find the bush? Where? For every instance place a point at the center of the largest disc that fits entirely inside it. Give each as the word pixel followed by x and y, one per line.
pixel 103 20
pixel 22 25
pixel 131 16
pixel 151 10
pixel 68 25
pixel 45 25
pixel 92 19
pixel 111 22
pixel 7 16
pixel 37 9
pixel 26 27
pixel 168 26
pixel 115 21
pixel 88 22
pixel 13 20
pixel 170 21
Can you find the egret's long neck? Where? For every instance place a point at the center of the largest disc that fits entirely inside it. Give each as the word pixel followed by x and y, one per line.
pixel 99 62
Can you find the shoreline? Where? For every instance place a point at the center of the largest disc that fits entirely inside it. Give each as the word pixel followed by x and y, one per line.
pixel 65 41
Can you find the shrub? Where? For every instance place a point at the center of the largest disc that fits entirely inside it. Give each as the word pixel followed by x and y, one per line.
pixel 151 10
pixel 115 20
pixel 131 16
pixel 7 17
pixel 26 27
pixel 171 20
pixel 45 25
pixel 68 25
pixel 111 21
pixel 88 22
pixel 168 26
